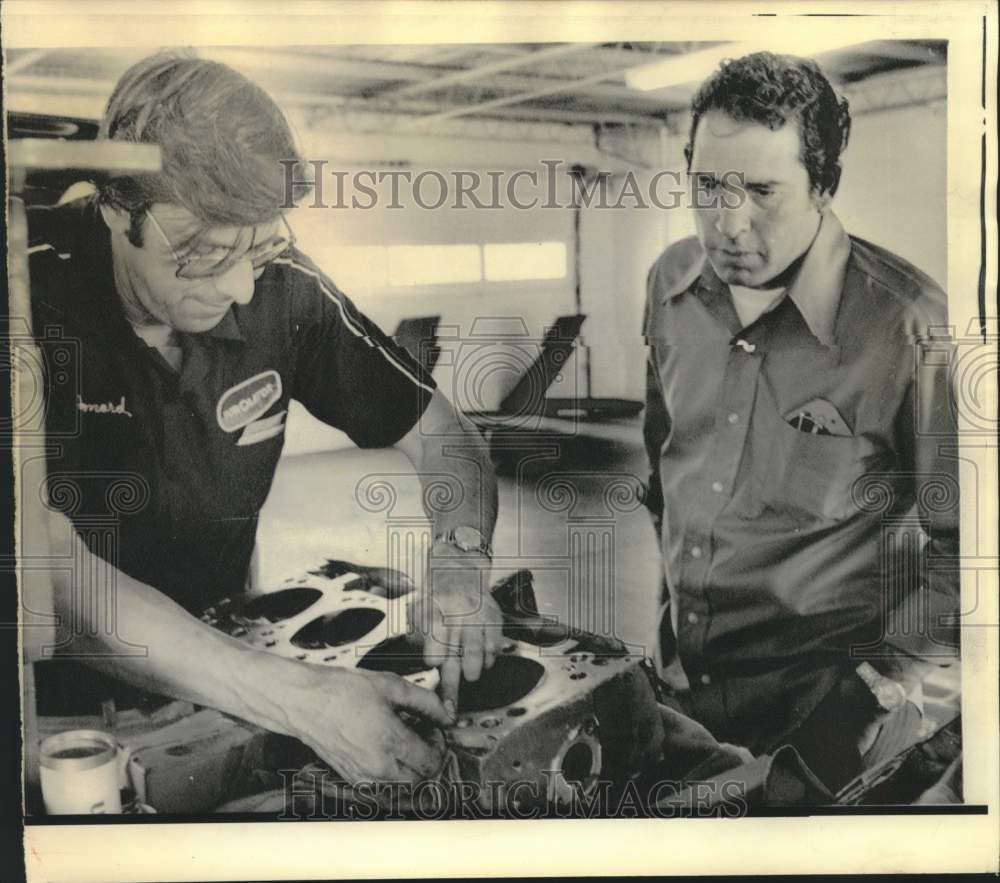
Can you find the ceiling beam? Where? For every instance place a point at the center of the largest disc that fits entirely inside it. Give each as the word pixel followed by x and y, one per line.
pixel 898 89
pixel 71 85
pixel 519 98
pixel 24 60
pixel 321 68
pixel 58 99
pixel 396 121
pixel 903 50
pixel 484 70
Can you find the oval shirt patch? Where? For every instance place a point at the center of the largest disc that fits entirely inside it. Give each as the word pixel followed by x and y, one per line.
pixel 245 402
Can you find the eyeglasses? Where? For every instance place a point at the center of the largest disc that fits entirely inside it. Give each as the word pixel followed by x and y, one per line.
pixel 196 264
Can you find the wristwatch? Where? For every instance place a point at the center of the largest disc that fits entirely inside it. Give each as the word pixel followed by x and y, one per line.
pixel 465 539
pixel 889 694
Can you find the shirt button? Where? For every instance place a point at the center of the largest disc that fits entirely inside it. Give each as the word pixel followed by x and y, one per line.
pixel 705 679
pixel 696 551
pixel 733 418
pixel 692 617
pixel 717 486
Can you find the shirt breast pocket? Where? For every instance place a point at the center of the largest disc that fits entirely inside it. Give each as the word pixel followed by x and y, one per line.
pixel 816 475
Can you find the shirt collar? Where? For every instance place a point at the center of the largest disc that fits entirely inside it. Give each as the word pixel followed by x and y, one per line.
pixel 819 283
pixel 228 328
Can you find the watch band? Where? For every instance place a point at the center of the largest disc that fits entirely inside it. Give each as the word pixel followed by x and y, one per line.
pixel 466 539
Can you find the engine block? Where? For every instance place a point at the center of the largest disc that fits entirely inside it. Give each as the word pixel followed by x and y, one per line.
pixel 560 710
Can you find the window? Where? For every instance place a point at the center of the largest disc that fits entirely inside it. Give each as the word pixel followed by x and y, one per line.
pixel 433 264
pixel 355 267
pixel 510 261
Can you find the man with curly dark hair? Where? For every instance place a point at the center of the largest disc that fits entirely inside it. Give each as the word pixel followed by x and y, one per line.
pixel 797 411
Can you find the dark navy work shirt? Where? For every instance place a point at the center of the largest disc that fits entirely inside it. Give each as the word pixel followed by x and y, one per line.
pixel 165 471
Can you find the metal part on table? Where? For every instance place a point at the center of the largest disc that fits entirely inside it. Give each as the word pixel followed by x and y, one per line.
pixel 558 712
pixel 189 765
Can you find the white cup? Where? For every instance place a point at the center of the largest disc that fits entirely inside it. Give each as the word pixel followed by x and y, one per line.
pixel 80 772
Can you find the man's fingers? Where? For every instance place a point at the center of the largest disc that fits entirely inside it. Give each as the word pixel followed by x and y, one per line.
pixel 490 650
pixel 472 652
pixel 492 638
pixel 417 759
pixel 451 678
pixel 421 701
pixel 436 639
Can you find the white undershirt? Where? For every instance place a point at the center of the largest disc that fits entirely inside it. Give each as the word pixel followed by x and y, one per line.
pixel 752 303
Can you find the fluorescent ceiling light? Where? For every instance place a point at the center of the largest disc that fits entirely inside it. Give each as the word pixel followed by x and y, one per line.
pixel 695 66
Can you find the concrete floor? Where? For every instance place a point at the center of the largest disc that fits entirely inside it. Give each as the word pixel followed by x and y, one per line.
pixel 568 511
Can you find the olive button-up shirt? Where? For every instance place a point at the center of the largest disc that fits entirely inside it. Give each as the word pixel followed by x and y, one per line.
pixel 799 465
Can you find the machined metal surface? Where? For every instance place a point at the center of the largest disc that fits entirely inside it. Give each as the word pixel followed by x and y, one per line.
pixel 558 712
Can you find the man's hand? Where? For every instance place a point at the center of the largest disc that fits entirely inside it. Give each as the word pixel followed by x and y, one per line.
pixel 459 622
pixel 351 719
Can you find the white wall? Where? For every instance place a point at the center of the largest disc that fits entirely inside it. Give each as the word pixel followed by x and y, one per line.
pixel 894 191
pixel 619 245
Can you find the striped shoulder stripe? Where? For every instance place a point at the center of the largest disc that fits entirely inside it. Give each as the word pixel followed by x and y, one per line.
pixel 46 246
pixel 350 323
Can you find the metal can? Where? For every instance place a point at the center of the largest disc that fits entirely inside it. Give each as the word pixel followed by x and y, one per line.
pixel 80 773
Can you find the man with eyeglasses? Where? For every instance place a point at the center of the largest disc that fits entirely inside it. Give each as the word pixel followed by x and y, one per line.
pixel 195 321
pixel 800 434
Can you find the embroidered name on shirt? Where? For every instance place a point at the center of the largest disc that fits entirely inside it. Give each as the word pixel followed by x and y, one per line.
pixel 103 407
pixel 240 405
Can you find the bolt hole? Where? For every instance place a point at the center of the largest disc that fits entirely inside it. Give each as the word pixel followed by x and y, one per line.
pixel 489 722
pixel 330 658
pixel 270 643
pixel 577 675
pixel 516 711
pixel 515 764
pixel 599 660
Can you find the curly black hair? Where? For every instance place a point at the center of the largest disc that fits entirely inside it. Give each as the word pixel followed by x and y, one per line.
pixel 771 90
